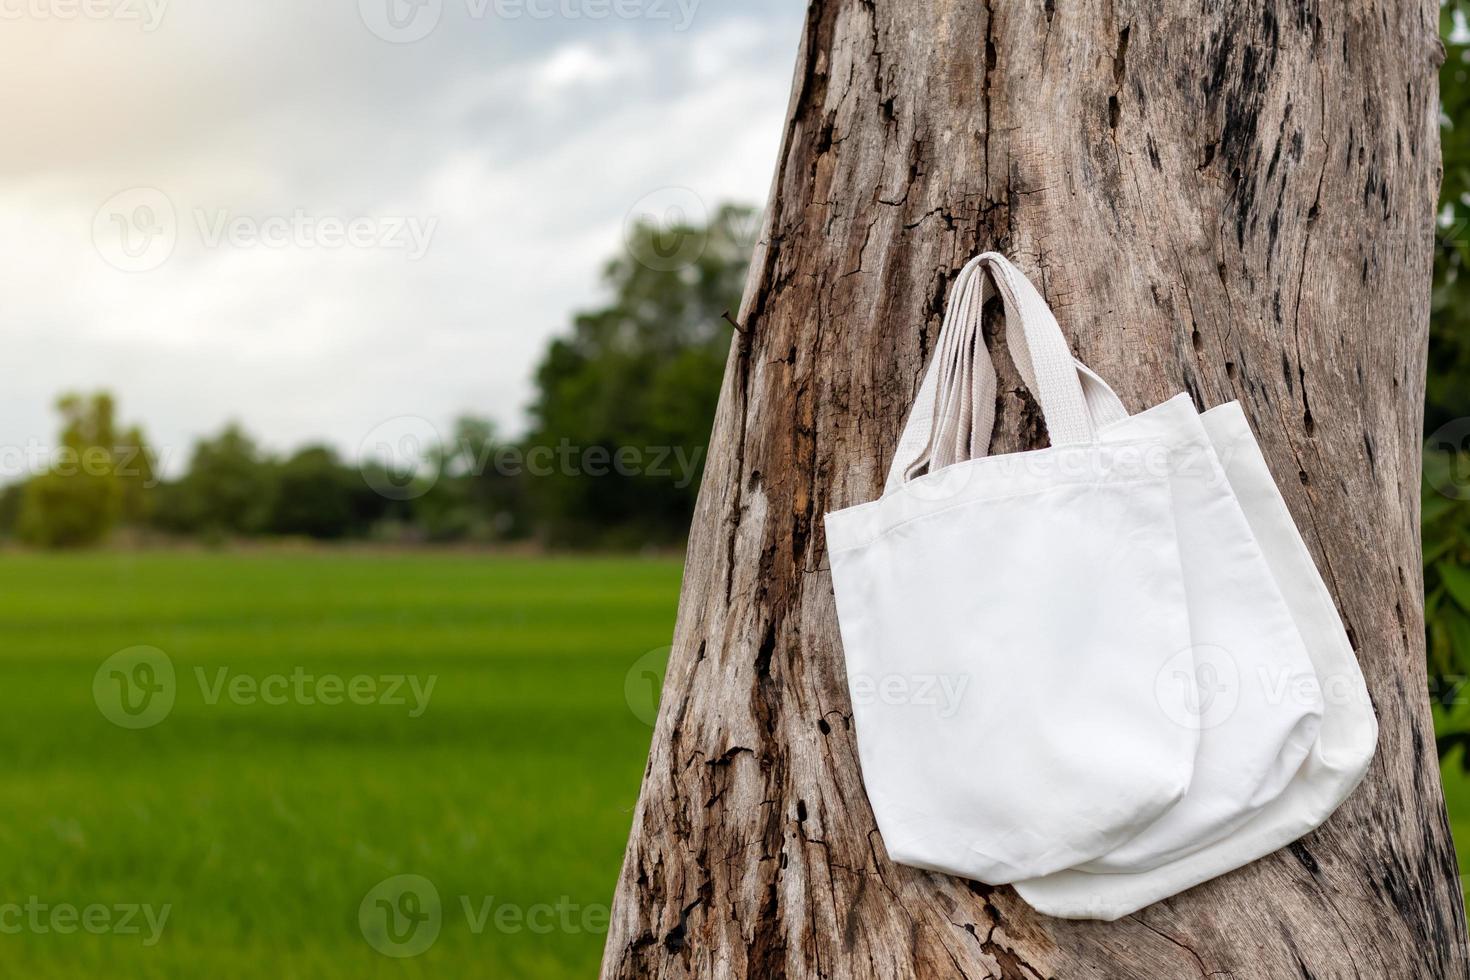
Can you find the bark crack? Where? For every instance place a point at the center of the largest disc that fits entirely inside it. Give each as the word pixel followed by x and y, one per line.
pixel 1204 971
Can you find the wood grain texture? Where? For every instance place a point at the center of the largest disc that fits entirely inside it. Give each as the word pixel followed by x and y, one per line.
pixel 1231 199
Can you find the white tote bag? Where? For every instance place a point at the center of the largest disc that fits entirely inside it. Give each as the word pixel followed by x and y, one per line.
pixel 1336 763
pixel 1242 638
pixel 1005 621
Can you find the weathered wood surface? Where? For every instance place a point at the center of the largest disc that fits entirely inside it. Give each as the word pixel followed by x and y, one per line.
pixel 1234 199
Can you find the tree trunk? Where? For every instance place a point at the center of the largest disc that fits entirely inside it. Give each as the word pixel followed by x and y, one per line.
pixel 1235 199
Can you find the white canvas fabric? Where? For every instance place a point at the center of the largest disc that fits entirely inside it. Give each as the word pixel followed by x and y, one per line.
pixel 1338 759
pixel 1249 736
pixel 1005 621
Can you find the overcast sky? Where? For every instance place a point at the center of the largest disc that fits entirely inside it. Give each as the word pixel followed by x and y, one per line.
pixel 315 217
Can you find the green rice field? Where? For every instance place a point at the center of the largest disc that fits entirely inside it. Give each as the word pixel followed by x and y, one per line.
pixel 334 723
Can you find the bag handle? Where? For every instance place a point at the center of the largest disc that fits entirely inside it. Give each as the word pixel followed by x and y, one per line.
pixel 965 384
pixel 959 387
pixel 923 443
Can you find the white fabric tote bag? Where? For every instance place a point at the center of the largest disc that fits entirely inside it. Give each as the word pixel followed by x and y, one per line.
pixel 1336 763
pixel 1240 633
pixel 1004 622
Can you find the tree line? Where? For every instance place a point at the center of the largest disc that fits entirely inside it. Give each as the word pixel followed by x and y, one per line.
pixel 612 457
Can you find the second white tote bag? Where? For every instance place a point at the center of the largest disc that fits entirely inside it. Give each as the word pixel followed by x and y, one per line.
pixel 1336 763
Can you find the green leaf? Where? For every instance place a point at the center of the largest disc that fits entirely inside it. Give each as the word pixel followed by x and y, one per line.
pixel 1456 581
pixel 1457 626
pixel 1434 507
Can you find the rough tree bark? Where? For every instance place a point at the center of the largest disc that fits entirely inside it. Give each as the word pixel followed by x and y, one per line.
pixel 1234 199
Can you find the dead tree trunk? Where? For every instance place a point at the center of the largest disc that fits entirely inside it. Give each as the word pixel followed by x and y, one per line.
pixel 1232 199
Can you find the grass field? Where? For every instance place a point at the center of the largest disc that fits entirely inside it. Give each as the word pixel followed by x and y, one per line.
pixel 263 827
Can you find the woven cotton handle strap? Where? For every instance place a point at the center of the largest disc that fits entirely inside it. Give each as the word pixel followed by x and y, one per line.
pixel 959 387
pixel 1102 404
pixel 1073 399
pixel 964 384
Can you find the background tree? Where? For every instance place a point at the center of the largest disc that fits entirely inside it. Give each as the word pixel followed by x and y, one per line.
pixel 1234 200
pixel 1446 492
pixel 10 503
pixel 479 494
pixel 1447 390
pixel 643 373
pixel 229 488
pixel 317 496
pixel 99 477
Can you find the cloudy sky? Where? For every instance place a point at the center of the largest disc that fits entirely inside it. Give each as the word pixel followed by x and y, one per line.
pixel 316 217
